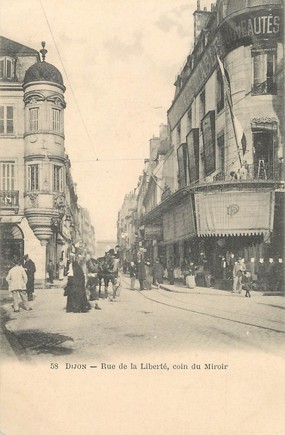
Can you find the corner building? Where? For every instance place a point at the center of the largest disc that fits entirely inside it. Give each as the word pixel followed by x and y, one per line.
pixel 35 183
pixel 228 136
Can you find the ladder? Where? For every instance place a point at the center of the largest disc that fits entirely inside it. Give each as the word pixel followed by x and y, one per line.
pixel 261 172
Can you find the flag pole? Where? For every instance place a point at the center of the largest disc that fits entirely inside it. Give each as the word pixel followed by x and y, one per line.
pixel 234 128
pixel 227 91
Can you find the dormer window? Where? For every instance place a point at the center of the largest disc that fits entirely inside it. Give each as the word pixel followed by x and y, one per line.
pixel 7 67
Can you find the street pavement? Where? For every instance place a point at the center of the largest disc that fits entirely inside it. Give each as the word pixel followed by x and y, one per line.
pixel 168 320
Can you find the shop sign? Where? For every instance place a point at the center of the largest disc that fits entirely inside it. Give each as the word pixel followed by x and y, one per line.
pixel 248 28
pixel 244 29
pixel 193 154
pixel 153 232
pixel 208 133
pixel 234 213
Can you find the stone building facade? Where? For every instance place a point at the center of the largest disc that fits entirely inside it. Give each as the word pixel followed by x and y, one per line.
pixel 39 210
pixel 226 129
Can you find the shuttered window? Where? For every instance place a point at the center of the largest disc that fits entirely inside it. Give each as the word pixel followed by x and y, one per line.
pixel 6 120
pixel 7 176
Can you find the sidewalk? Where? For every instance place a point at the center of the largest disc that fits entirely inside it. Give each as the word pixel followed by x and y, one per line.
pixel 178 287
pixel 9 345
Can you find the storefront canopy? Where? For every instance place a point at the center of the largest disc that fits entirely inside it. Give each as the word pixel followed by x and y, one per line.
pixel 234 213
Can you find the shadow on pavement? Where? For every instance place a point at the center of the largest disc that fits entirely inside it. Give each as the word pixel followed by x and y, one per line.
pixel 44 342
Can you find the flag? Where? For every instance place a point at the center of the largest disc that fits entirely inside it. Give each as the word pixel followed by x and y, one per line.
pixel 226 80
pixel 241 138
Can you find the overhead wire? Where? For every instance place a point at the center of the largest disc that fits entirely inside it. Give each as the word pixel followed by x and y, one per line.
pixel 90 142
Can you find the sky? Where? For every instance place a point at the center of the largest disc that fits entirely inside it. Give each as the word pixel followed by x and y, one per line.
pixel 119 60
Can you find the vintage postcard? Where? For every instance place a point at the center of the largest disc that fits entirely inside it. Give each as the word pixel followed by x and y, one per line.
pixel 142 217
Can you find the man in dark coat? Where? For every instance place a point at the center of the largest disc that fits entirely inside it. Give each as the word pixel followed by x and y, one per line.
pixel 157 271
pixel 30 269
pixel 75 290
pixel 170 270
pixel 141 273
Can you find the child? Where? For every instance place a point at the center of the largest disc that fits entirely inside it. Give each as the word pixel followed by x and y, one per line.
pixel 247 283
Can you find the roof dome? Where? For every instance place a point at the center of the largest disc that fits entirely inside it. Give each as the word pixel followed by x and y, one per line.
pixel 43 71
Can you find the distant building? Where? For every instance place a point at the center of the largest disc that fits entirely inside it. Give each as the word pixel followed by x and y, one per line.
pixel 102 246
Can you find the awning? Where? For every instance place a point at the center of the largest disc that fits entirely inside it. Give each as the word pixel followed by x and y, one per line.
pixel 234 213
pixel 178 222
pixel 10 219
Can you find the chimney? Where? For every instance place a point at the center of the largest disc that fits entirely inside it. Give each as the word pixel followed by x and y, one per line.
pixel 201 19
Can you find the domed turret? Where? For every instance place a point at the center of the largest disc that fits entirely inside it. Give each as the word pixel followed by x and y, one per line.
pixel 44 148
pixel 43 72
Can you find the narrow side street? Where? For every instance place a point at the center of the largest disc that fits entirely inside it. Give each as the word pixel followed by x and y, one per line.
pixel 148 322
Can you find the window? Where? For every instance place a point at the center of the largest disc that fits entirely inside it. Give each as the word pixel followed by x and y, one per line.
pixel 220 91
pixel 7 176
pixel 34 119
pixel 182 158
pixel 6 120
pixel 263 148
pixel 57 179
pixel 178 134
pixel 33 177
pixel 6 68
pixel 189 119
pixel 202 104
pixel 56 120
pixel 221 152
pixel 263 72
pixel 193 153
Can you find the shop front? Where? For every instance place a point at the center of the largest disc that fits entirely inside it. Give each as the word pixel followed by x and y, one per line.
pixel 179 231
pixel 11 246
pixel 235 224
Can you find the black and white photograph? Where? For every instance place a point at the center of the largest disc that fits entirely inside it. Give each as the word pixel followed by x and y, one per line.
pixel 142 217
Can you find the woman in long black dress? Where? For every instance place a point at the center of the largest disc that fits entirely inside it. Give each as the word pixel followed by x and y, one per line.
pixel 76 294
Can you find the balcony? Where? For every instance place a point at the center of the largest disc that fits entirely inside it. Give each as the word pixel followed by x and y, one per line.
pixel 258 171
pixel 9 200
pixel 264 88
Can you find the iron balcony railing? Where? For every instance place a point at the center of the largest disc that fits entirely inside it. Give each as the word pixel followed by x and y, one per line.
pixel 9 199
pixel 264 88
pixel 258 171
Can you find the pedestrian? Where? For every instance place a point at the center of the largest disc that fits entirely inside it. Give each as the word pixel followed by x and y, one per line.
pixel 141 273
pixel 92 281
pixel 61 269
pixel 50 271
pixel 100 274
pixel 75 290
pixel 17 280
pixel 246 281
pixel 170 271
pixel 158 272
pixel 108 269
pixel 190 278
pixel 133 274
pixel 30 269
pixel 148 279
pixel 239 269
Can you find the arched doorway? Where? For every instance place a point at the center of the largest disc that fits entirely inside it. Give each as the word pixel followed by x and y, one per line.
pixel 11 247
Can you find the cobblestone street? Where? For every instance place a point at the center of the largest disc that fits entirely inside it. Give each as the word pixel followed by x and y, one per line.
pixel 148 323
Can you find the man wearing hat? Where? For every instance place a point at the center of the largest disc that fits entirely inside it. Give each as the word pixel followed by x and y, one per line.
pixel 30 269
